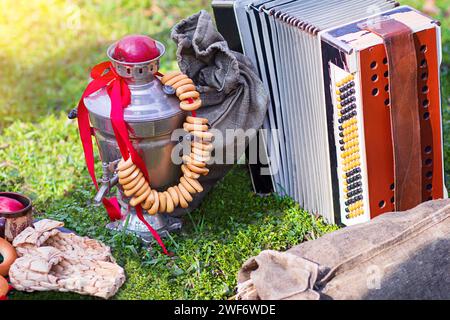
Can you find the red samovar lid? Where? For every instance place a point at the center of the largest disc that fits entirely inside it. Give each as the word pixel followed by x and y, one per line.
pixel 135 48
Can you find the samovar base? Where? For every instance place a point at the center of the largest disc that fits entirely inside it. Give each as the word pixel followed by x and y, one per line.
pixel 162 223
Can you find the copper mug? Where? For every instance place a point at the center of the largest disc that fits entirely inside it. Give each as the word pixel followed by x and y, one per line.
pixel 13 223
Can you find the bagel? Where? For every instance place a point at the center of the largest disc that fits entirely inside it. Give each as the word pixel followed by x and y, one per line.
pixel 190 160
pixel 137 200
pixel 169 202
pixel 132 183
pixel 199 158
pixel 185 88
pixel 196 120
pixel 203 171
pixel 183 203
pixel 130 178
pixel 125 173
pixel 135 188
pixel 123 165
pixel 203 146
pixel 203 135
pixel 4 287
pixel 194 127
pixel 174 195
pixel 190 106
pixel 180 83
pixel 189 94
pixel 200 152
pixel 176 79
pixel 189 173
pixel 154 208
pixel 9 256
pixel 187 186
pixel 148 202
pixel 184 193
pixel 194 183
pixel 162 202
pixel 169 75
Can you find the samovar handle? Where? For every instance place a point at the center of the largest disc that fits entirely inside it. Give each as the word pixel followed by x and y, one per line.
pixel 73 114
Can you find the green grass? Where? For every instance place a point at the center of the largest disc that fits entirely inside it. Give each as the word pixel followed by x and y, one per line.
pixel 47 49
pixel 232 224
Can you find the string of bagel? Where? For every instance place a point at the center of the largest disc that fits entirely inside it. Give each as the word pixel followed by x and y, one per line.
pixel 132 179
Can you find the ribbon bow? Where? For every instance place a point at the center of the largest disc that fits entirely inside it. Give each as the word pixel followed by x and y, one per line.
pixel 104 76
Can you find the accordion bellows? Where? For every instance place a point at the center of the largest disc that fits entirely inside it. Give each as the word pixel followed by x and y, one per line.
pixel 354 89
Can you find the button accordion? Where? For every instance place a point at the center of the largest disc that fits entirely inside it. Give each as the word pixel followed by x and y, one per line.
pixel 355 99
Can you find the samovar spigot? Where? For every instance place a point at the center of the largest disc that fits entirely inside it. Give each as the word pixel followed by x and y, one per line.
pixel 107 182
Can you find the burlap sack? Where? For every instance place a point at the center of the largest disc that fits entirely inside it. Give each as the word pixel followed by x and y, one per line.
pixel 398 255
pixel 53 260
pixel 233 96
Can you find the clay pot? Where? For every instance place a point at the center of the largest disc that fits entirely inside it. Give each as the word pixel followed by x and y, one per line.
pixel 13 223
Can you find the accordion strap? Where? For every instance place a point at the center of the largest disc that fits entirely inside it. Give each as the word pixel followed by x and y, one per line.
pixel 404 111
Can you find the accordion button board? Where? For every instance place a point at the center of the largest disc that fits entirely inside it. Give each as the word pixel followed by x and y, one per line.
pixel 333 102
pixel 349 148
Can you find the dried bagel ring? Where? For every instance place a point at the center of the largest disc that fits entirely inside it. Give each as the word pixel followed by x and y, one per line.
pixel 186 195
pixel 204 135
pixel 194 127
pixel 190 160
pixel 162 202
pixel 136 188
pixel 190 106
pixel 185 88
pixel 189 173
pixel 202 146
pixel 132 183
pixel 174 195
pixel 142 189
pixel 175 79
pixel 182 83
pixel 199 158
pixel 194 183
pixel 169 205
pixel 155 206
pixel 137 200
pixel 123 165
pixel 201 153
pixel 197 120
pixel 189 94
pixel 169 75
pixel 127 172
pixel 9 256
pixel 183 203
pixel 131 177
pixel 147 204
pixel 187 185
pixel 203 171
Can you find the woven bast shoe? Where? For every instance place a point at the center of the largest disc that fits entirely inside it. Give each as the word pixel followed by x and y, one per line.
pixel 52 260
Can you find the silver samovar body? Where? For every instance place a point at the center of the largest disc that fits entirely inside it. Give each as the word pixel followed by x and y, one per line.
pixel 151 117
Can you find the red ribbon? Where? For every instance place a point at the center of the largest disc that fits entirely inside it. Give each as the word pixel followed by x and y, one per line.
pixel 103 75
